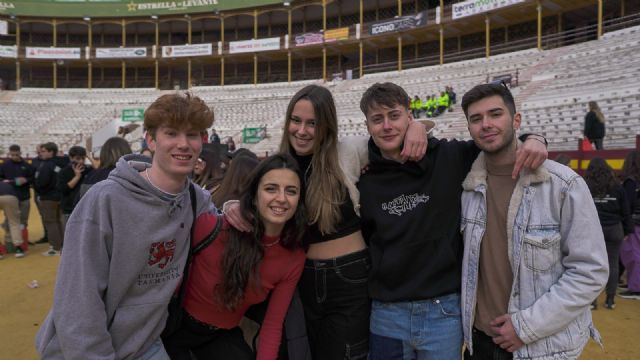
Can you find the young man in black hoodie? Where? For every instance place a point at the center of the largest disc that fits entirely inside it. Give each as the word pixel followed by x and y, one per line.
pixel 49 196
pixel 410 215
pixel 70 178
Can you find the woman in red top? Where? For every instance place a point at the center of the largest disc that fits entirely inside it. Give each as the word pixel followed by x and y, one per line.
pixel 240 269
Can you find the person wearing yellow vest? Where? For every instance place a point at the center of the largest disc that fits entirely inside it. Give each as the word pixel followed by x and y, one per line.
pixel 443 103
pixel 415 106
pixel 429 105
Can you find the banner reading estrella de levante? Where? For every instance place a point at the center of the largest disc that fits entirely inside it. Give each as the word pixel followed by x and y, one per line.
pixel 473 7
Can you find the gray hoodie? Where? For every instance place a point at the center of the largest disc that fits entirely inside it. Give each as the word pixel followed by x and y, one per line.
pixel 125 248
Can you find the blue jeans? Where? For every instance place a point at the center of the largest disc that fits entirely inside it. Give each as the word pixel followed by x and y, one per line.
pixel 425 329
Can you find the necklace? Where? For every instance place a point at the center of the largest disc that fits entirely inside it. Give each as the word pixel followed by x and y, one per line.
pixel 146 172
pixel 271 243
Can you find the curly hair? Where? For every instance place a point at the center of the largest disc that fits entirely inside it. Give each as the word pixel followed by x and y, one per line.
pixel 178 111
pixel 244 251
pixel 600 177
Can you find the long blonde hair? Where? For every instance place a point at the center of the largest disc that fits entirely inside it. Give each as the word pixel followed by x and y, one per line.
pixel 325 189
pixel 593 106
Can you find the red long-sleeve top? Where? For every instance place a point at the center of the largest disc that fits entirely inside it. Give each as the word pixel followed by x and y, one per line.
pixel 280 271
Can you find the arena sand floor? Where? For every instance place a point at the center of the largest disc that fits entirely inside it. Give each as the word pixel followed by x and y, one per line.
pixel 22 308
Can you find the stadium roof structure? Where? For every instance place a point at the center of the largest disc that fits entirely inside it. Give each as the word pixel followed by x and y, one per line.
pixel 123 8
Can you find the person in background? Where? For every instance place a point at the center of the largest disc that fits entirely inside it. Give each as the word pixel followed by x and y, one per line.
pixel 214 138
pixel 49 196
pixel 127 242
pixel 615 218
pixel 594 128
pixel 231 144
pixel 234 179
pixel 69 180
pixel 110 152
pixel 240 269
pixel 630 250
pixel 16 171
pixel 207 172
pixel 9 203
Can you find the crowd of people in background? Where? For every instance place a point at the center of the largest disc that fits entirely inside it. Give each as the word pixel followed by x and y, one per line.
pixel 433 105
pixel 309 246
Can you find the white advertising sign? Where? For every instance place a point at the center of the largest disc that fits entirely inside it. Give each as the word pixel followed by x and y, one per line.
pixel 4 27
pixel 52 53
pixel 110 53
pixel 8 51
pixel 187 50
pixel 473 7
pixel 245 46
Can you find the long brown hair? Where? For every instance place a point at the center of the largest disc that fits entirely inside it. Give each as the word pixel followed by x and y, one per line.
pixel 631 167
pixel 325 189
pixel 593 106
pixel 600 177
pixel 243 252
pixel 234 179
pixel 212 173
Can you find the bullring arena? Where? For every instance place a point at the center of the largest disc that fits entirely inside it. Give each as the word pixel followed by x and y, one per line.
pixel 76 73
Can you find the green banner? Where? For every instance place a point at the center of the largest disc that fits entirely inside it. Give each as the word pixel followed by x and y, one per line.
pixel 131 115
pixel 122 8
pixel 252 135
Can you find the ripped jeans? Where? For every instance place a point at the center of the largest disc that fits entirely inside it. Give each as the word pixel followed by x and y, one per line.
pixel 337 306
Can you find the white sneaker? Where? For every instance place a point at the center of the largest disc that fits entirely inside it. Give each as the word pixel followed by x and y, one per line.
pixel 19 253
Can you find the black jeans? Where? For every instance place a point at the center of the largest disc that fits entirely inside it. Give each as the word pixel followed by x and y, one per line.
pixel 337 306
pixel 485 349
pixel 205 342
pixel 613 237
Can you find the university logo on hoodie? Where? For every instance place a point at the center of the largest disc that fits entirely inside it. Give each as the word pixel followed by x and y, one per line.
pixel 161 253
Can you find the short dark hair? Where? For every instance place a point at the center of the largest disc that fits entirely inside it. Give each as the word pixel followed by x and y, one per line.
pixel 482 91
pixel 77 151
pixel 387 94
pixel 50 147
pixel 14 147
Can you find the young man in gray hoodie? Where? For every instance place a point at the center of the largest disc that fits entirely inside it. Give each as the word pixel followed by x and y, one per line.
pixel 126 245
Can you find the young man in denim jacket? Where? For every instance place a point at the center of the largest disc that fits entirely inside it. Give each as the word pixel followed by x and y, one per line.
pixel 534 254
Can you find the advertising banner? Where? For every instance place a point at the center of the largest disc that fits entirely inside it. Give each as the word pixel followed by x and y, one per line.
pixel 8 51
pixel 310 38
pixel 399 23
pixel 186 50
pixel 131 115
pixel 110 53
pixel 473 7
pixel 253 135
pixel 336 34
pixel 245 46
pixel 4 27
pixel 52 53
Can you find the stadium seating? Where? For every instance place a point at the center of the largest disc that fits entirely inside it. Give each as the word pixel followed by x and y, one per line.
pixel 555 86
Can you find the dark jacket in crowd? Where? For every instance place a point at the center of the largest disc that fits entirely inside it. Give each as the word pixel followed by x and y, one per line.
pixel 7 189
pixel 10 170
pixel 632 189
pixel 613 208
pixel 46 179
pixel 411 219
pixel 91 179
pixel 67 202
pixel 593 128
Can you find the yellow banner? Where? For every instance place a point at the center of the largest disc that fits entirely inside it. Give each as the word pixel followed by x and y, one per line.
pixel 336 34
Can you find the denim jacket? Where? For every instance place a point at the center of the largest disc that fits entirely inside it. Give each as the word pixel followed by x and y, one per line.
pixel 557 254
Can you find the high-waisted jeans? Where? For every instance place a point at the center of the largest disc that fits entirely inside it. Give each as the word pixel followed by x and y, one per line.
pixel 337 306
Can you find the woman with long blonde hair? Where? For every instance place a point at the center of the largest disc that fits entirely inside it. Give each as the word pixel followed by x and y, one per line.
pixel 594 128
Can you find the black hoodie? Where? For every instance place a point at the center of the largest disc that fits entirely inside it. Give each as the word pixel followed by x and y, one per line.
pixel 411 219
